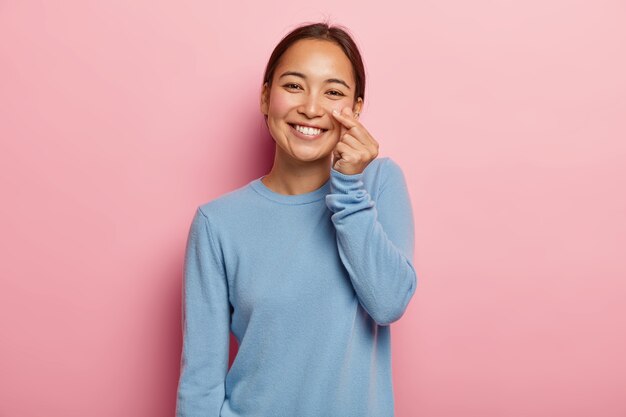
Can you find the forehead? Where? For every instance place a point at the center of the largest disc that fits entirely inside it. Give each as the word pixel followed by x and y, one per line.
pixel 315 57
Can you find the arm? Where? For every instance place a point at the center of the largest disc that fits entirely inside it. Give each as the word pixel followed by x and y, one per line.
pixel 205 326
pixel 375 240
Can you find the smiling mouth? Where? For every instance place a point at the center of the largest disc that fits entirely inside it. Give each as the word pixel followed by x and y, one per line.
pixel 308 131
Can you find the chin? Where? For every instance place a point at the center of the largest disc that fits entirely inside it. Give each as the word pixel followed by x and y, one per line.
pixel 310 155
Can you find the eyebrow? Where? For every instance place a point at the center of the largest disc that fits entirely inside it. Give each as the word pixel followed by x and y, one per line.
pixel 301 75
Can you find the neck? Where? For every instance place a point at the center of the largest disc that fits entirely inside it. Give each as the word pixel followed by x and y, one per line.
pixel 291 176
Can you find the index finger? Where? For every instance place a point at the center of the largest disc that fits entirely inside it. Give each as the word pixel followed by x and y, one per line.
pixel 345 120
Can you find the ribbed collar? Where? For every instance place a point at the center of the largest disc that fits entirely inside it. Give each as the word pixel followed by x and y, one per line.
pixel 305 198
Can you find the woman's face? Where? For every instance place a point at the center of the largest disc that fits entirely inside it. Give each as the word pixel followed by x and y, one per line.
pixel 312 78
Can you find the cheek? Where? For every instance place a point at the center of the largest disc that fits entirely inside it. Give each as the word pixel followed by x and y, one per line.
pixel 280 104
pixel 340 105
pixel 337 104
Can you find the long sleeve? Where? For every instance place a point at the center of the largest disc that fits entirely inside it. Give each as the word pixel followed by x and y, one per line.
pixel 205 325
pixel 375 240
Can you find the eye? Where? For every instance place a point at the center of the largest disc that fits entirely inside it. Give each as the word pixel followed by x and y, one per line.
pixel 338 93
pixel 291 85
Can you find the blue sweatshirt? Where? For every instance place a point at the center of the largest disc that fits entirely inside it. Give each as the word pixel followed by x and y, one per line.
pixel 309 285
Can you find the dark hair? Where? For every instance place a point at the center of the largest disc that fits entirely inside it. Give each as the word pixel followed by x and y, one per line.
pixel 323 31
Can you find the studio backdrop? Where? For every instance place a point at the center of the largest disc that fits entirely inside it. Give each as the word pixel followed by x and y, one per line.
pixel 119 118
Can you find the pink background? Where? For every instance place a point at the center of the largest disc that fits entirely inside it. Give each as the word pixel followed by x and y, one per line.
pixel 118 118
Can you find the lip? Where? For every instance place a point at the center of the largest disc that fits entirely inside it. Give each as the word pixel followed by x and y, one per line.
pixel 307 125
pixel 303 136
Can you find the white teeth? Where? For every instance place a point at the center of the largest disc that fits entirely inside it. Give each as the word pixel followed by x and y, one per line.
pixel 308 130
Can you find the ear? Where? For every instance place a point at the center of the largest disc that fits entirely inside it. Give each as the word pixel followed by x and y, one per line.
pixel 358 106
pixel 265 94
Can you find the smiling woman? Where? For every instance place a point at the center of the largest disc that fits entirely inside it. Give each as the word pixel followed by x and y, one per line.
pixel 308 265
pixel 302 86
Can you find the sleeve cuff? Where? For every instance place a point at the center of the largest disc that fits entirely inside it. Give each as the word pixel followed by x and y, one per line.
pixel 347 193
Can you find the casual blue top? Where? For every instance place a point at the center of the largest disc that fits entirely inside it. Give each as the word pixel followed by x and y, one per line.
pixel 309 285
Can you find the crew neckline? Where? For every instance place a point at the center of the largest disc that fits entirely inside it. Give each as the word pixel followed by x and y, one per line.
pixel 304 198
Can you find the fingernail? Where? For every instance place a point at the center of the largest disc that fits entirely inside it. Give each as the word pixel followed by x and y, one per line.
pixel 335 111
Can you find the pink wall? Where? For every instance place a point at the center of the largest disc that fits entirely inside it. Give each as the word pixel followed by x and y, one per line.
pixel 118 118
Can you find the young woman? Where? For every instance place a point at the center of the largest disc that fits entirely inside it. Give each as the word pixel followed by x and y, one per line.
pixel 308 265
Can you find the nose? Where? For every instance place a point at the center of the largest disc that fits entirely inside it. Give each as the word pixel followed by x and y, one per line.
pixel 311 107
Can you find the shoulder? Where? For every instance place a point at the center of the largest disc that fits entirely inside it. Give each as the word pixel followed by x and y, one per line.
pixel 221 214
pixel 228 204
pixel 384 163
pixel 382 166
pixel 382 172
pixel 392 170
